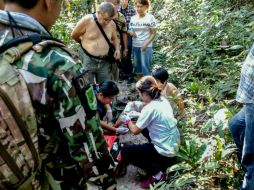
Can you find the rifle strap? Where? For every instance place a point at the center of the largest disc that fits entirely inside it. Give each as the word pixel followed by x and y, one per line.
pixel 102 31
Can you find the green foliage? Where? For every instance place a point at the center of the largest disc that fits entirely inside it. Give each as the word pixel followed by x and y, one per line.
pixel 72 12
pixel 203 44
pixel 191 152
pixel 203 41
pixel 200 164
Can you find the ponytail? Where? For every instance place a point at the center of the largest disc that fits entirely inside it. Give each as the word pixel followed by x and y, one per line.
pixel 149 85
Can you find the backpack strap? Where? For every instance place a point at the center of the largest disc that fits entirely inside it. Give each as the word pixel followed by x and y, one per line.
pixel 10 162
pixel 23 129
pixel 21 124
pixel 34 38
pixel 15 48
pixel 102 31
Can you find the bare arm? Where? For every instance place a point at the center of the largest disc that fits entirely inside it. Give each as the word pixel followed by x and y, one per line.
pixel 107 107
pixel 115 41
pixel 114 37
pixel 150 39
pixel 117 123
pixel 79 29
pixel 180 103
pixel 125 44
pixel 133 128
pixel 107 126
pixel 173 91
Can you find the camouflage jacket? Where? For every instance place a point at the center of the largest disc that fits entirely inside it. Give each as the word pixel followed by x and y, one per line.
pixel 121 26
pixel 69 144
pixel 121 22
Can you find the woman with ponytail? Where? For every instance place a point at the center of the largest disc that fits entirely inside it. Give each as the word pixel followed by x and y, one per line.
pixel 157 123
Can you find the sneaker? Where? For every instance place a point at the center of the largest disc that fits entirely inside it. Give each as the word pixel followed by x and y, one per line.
pixel 151 180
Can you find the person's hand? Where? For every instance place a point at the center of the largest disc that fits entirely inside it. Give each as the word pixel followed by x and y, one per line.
pixel 109 115
pixel 117 54
pixel 132 34
pixel 143 48
pixel 122 130
pixel 125 119
pixel 125 52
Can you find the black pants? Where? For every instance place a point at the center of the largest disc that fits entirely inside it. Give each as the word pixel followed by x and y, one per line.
pixel 146 157
pixel 126 65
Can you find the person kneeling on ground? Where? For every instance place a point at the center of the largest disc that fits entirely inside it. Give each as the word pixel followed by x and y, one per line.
pixel 168 89
pixel 106 92
pixel 157 123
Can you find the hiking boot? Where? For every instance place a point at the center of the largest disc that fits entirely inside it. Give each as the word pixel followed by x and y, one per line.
pixel 144 184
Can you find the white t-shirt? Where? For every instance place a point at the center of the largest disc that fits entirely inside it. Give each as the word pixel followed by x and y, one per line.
pixel 141 27
pixel 157 117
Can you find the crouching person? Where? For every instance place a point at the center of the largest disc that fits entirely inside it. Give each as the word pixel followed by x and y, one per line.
pixel 106 92
pixel 157 123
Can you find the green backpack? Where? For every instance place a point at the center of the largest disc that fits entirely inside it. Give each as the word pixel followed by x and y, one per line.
pixel 19 157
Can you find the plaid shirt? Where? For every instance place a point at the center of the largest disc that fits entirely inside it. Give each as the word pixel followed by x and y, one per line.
pixel 245 93
pixel 128 13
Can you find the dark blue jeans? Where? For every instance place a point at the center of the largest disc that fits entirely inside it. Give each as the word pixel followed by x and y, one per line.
pixel 142 60
pixel 242 130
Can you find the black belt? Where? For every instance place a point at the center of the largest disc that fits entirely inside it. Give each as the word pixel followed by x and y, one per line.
pixel 95 57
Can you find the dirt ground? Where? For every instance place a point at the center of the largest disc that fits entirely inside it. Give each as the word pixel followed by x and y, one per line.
pixel 130 181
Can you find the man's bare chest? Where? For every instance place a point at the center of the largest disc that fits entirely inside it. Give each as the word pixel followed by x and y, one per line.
pixel 94 33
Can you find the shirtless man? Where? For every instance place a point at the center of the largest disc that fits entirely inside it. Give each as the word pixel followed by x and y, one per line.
pixel 94 45
pixel 2 4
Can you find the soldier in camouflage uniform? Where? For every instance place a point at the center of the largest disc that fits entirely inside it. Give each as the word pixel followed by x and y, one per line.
pixel 71 147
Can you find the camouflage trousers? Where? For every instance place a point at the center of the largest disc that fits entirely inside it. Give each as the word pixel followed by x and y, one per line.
pixel 98 69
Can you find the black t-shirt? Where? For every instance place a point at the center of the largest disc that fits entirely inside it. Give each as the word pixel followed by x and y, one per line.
pixel 101 109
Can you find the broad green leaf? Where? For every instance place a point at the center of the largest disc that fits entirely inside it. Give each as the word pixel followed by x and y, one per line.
pixel 227 152
pixel 236 47
pixel 181 166
pixel 184 180
pixel 193 148
pixel 187 144
pixel 182 155
pixel 184 148
pixel 194 87
pixel 219 149
pixel 200 152
pixel 159 186
pixel 208 126
pixel 210 166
